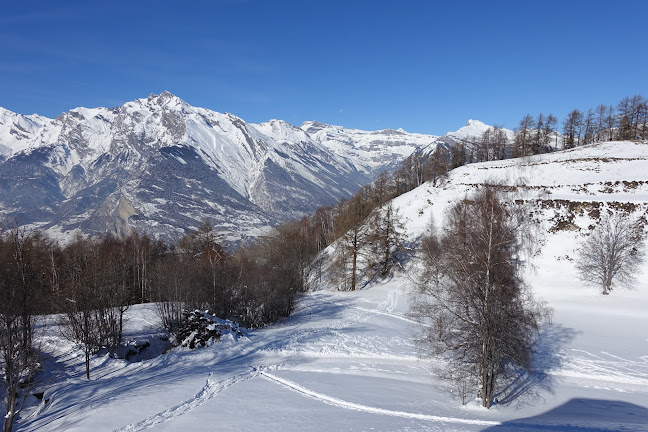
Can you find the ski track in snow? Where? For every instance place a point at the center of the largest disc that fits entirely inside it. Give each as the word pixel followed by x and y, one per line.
pixel 606 367
pixel 298 333
pixel 377 312
pixel 368 409
pixel 209 390
pixel 579 365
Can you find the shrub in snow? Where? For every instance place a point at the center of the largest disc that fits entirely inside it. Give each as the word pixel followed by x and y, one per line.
pixel 200 328
pixel 134 349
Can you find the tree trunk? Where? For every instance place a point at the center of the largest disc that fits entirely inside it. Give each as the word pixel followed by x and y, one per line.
pixel 87 361
pixel 11 394
pixel 7 425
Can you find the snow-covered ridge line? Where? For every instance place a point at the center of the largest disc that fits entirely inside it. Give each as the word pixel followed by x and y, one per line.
pixel 152 115
pixel 370 150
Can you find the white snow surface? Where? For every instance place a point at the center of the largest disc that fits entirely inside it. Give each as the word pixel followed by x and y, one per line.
pixel 347 360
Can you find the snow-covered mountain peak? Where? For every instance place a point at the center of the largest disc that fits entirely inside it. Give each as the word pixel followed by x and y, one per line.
pixel 472 128
pixel 17 130
pixel 166 99
pixel 82 113
pixel 314 126
pixel 6 114
pixel 153 103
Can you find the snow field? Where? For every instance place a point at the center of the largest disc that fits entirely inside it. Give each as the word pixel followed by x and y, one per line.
pixel 343 362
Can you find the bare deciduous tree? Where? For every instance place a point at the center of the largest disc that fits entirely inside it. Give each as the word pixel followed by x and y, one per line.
pixel 96 294
pixel 612 253
pixel 21 271
pixel 476 308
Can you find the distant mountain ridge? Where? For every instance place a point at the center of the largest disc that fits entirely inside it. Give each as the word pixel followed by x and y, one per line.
pixel 161 166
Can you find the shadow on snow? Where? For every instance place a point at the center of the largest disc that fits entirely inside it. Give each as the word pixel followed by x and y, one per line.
pixel 583 415
pixel 526 386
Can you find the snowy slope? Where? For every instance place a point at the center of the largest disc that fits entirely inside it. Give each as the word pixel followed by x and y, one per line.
pixel 346 360
pixel 604 175
pixel 16 131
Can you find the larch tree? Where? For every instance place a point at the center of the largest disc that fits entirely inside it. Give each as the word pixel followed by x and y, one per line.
pixel 600 112
pixel 550 125
pixel 386 240
pixel 538 136
pixel 524 137
pixel 458 155
pixel 610 122
pixel 352 239
pixel 589 127
pixel 572 126
pixel 500 143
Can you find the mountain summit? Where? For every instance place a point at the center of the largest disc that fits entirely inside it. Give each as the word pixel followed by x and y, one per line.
pixel 162 166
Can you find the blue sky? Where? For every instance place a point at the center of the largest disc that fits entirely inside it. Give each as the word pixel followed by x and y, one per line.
pixel 424 66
